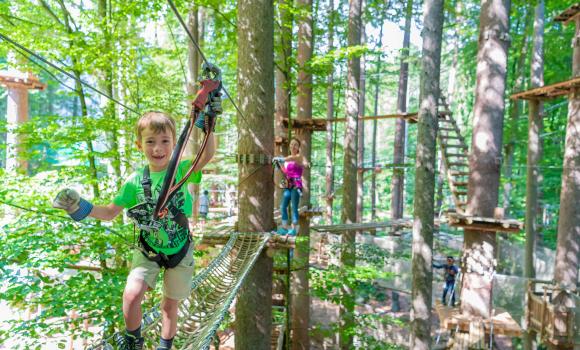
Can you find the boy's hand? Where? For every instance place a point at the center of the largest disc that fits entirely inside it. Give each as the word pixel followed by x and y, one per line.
pixel 215 108
pixel 70 201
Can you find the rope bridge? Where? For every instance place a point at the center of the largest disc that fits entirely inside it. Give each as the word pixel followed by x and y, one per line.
pixel 213 291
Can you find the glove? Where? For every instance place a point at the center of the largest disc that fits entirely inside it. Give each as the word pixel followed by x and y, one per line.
pixel 70 201
pixel 215 108
pixel 278 160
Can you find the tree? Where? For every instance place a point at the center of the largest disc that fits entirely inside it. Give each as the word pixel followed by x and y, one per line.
pixel 484 165
pixel 299 285
pixel 423 221
pixel 347 255
pixel 398 183
pixel 255 84
pixel 329 117
pixel 534 151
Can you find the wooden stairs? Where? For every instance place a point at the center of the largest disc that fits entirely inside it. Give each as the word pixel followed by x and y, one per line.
pixel 454 155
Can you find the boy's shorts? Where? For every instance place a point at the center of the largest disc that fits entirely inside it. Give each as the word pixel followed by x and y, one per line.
pixel 176 281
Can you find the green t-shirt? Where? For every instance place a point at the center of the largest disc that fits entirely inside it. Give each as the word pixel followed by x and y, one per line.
pixel 171 236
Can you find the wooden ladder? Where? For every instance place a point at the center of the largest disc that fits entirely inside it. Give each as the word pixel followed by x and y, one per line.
pixel 454 155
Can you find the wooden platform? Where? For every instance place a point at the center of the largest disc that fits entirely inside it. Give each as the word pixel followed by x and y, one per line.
pixel 548 92
pixel 18 79
pixel 455 219
pixel 311 124
pixel 410 117
pixel 452 319
pixel 276 241
pixel 569 14
pixel 367 226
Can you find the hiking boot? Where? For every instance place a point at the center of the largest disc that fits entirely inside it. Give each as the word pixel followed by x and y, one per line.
pixel 129 342
pixel 292 232
pixel 282 231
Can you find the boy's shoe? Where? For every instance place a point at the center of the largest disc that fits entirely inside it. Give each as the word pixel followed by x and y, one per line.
pixel 131 343
pixel 282 231
pixel 292 232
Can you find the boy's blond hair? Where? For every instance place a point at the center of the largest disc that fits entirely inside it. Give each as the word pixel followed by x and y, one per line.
pixel 157 121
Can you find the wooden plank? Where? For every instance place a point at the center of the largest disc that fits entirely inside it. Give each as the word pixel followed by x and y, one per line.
pixel 548 91
pixel 568 15
pixel 411 117
pixel 313 124
pixel 484 224
pixel 18 79
pixel 503 324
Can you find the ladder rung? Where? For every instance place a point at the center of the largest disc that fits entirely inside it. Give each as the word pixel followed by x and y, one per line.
pixel 451 137
pixel 461 204
pixel 459 183
pixel 456 146
pixel 461 155
pixel 460 193
pixel 457 164
pixel 447 129
pixel 458 173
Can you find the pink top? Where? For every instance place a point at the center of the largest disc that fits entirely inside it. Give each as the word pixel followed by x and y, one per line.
pixel 294 172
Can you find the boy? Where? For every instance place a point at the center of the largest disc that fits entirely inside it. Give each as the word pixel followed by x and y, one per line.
pixel 450 273
pixel 156 137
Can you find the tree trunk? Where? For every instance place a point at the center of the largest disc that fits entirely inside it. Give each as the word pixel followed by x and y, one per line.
pixel 256 191
pixel 398 182
pixel 484 166
pixel 283 92
pixel 347 256
pixel 360 149
pixel 568 246
pixel 519 72
pixel 534 154
pixel 299 286
pixel 423 206
pixel 329 117
pixel 376 112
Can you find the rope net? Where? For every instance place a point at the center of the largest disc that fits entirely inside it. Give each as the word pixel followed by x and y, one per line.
pixel 213 291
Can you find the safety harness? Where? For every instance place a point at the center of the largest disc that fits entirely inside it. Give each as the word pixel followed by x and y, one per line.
pixel 142 215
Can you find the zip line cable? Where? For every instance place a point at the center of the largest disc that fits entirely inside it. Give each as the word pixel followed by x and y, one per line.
pixel 37 56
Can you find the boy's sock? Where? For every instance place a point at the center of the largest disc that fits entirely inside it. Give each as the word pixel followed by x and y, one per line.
pixel 165 344
pixel 136 333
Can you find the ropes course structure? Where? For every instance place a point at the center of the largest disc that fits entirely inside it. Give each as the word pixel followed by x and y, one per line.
pixel 213 291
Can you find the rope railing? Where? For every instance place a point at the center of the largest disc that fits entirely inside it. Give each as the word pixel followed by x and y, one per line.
pixel 213 291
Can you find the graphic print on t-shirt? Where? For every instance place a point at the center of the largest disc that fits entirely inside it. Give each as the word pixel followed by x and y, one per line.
pixel 171 234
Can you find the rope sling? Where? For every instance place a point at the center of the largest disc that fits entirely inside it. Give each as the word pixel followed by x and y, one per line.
pixel 213 291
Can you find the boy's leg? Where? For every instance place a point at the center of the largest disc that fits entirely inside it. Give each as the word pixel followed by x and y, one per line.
pixel 444 293
pixel 169 308
pixel 132 296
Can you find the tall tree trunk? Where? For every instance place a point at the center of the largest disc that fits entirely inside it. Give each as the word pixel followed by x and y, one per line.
pixel 256 192
pixel 283 92
pixel 193 66
pixel 329 118
pixel 376 112
pixel 398 182
pixel 534 153
pixel 299 286
pixel 360 149
pixel 519 71
pixel 484 166
pixel 348 252
pixel 568 246
pixel 423 206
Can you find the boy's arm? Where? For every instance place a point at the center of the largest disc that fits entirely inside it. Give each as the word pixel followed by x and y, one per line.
pixel 438 266
pixel 207 154
pixel 106 212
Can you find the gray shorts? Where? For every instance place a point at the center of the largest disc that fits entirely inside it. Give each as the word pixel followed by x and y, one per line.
pixel 176 281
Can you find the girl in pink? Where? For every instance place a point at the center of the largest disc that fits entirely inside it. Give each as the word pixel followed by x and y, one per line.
pixel 293 166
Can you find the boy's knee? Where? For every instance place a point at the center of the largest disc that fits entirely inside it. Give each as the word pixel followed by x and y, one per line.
pixel 169 306
pixel 134 291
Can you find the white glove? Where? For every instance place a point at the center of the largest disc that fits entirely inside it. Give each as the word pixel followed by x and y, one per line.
pixel 278 160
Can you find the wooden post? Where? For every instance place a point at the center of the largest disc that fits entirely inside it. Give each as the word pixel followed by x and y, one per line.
pixel 17 84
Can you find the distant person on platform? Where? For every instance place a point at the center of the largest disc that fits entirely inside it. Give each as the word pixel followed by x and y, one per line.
pixel 203 208
pixel 451 272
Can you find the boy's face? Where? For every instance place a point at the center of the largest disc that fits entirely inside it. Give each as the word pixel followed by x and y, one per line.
pixel 157 148
pixel 450 261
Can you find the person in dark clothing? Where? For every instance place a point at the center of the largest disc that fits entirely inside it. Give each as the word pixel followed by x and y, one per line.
pixel 450 273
